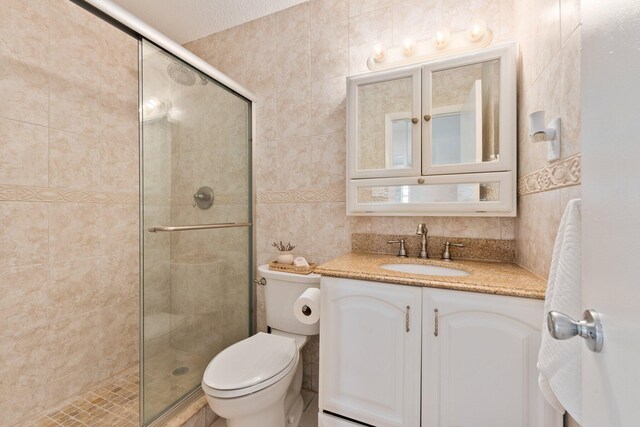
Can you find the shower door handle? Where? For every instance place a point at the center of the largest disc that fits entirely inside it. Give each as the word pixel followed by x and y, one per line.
pixel 201 226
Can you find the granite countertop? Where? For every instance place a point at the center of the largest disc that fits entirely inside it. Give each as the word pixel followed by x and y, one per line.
pixel 500 278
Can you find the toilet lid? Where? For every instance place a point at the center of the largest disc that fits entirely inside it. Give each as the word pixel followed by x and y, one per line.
pixel 250 362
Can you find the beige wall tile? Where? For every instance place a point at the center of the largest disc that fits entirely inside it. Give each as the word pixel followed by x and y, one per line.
pixel 72 345
pixel 23 298
pixel 24 61
pixel 332 229
pixel 416 19
pixel 23 357
pixel 487 228
pixel 409 225
pixel 261 62
pixel 24 233
pixel 229 54
pixel 373 224
pixel 74 160
pixel 328 160
pixel 293 164
pixel 74 231
pixel 329 48
pixel 364 32
pixel 74 288
pixel 292 47
pixel 358 7
pixel 536 230
pixel 293 114
pixel 119 229
pixel 25 154
pixel 571 95
pixel 328 106
pixel 507 228
pixel 294 224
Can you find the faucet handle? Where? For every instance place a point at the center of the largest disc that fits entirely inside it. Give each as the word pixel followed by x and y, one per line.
pixel 422 229
pixel 446 255
pixel 402 252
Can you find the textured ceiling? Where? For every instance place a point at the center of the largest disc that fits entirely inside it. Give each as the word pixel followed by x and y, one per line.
pixel 187 20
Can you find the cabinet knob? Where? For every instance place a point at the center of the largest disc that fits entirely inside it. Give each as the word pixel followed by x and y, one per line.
pixel 420 180
pixel 427 117
pixel 414 120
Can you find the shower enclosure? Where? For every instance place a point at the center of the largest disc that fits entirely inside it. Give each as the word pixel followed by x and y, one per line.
pixel 196 233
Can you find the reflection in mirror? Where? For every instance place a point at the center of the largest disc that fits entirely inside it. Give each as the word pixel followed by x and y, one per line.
pixel 465 110
pixel 430 193
pixel 384 125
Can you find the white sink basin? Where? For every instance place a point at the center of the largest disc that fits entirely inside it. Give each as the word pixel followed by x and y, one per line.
pixel 430 270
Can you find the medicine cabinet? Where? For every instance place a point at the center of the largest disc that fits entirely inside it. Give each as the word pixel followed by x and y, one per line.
pixel 437 138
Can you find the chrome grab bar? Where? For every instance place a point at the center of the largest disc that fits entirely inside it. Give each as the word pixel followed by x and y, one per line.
pixel 201 226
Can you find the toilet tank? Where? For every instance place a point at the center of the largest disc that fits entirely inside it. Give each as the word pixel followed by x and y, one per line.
pixel 280 292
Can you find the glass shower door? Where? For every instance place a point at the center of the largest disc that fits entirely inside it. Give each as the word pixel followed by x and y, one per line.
pixel 196 210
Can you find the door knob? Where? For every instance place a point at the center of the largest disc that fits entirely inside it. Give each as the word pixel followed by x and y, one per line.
pixel 562 327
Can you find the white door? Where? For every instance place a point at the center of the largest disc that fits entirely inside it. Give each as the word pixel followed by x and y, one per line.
pixel 370 351
pixel 479 361
pixel 611 209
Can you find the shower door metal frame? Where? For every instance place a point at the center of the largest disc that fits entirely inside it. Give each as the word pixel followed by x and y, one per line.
pixel 127 22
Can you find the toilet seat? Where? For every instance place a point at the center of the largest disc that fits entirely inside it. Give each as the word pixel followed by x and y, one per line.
pixel 250 365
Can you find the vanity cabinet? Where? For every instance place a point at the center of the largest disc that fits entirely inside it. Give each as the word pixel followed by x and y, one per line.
pixel 448 118
pixel 394 355
pixel 479 356
pixel 370 352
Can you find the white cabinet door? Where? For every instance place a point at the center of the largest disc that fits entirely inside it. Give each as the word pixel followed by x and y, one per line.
pixel 479 361
pixel 370 344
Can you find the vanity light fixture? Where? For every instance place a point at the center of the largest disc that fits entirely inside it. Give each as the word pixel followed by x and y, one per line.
pixel 476 32
pixel 408 47
pixel 550 133
pixel 411 51
pixel 441 39
pixel 378 53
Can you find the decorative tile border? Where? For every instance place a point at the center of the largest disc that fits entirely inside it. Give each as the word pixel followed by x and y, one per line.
pixel 302 196
pixel 565 173
pixel 20 193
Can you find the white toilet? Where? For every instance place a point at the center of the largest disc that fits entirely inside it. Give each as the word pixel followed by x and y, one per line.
pixel 257 382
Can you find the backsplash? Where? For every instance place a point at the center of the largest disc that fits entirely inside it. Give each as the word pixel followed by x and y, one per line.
pixel 474 249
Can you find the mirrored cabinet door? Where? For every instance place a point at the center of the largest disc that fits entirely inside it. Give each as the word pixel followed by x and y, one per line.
pixel 469 114
pixel 461 195
pixel 384 124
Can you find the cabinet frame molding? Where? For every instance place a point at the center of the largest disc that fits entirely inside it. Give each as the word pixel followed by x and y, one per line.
pixel 504 207
pixel 353 82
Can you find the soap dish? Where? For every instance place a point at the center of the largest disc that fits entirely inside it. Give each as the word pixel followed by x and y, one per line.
pixel 290 268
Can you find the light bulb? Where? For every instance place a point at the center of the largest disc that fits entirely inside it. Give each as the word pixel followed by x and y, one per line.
pixel 476 32
pixel 441 39
pixel 409 46
pixel 378 53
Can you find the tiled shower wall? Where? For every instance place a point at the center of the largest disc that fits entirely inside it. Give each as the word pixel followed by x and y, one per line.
pixel 548 79
pixel 68 203
pixel 296 62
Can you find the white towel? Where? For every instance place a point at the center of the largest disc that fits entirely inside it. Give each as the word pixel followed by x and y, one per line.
pixel 559 362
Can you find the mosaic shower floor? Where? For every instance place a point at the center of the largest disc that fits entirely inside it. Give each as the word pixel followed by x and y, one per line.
pixel 114 402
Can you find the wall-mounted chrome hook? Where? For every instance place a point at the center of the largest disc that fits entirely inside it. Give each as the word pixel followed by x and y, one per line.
pixel 203 198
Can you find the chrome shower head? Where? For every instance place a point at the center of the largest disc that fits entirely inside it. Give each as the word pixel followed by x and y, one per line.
pixel 181 74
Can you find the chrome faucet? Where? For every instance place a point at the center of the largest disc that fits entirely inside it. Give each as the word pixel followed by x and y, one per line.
pixel 402 252
pixel 422 231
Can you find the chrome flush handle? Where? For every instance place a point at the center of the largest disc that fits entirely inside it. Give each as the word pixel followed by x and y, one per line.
pixel 563 327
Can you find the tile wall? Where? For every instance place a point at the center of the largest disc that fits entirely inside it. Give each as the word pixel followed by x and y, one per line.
pixel 68 204
pixel 296 62
pixel 548 79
